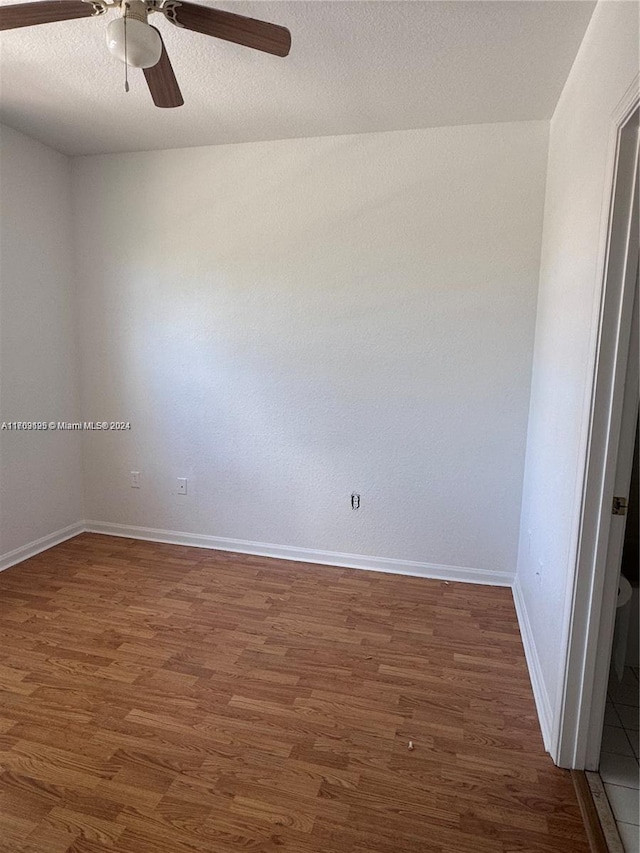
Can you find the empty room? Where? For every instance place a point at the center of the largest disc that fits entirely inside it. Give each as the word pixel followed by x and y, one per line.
pixel 318 426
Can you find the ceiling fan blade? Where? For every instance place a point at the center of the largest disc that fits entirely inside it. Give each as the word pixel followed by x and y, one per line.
pixel 226 25
pixel 162 81
pixel 45 12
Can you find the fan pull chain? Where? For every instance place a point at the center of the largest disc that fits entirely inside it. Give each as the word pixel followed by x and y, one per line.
pixel 126 64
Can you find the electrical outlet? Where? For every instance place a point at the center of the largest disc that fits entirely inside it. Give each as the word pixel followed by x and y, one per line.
pixel 355 500
pixel 135 479
pixel 182 485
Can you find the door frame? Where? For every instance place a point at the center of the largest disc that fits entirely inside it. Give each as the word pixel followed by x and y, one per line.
pixel 592 595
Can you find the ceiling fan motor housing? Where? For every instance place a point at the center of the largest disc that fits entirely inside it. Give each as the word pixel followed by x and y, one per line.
pixel 134 9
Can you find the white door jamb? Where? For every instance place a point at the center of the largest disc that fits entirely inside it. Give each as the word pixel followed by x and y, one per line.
pixel 592 596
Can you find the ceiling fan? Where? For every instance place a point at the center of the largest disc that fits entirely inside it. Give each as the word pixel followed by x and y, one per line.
pixel 134 41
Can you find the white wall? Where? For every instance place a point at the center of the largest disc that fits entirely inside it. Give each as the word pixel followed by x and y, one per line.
pixel 287 322
pixel 40 473
pixel 578 185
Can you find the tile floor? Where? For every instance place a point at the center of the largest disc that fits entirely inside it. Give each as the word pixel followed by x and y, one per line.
pixel 619 766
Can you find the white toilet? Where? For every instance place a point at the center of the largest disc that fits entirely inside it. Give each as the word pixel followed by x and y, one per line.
pixel 621 632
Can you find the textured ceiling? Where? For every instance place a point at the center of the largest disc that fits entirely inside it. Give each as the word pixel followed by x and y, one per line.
pixel 354 67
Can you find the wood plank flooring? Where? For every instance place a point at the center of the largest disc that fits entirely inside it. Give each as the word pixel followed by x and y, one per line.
pixel 162 699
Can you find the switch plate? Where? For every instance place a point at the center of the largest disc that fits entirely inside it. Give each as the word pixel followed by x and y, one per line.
pixel 182 485
pixel 135 479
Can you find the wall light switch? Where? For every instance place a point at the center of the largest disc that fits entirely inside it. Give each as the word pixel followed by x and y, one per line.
pixel 182 485
pixel 135 479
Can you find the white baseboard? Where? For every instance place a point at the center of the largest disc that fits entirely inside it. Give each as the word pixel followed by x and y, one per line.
pixel 304 555
pixel 543 705
pixel 39 545
pixel 261 549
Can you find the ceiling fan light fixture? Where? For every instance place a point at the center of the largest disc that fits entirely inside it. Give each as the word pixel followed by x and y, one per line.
pixel 131 40
pixel 143 44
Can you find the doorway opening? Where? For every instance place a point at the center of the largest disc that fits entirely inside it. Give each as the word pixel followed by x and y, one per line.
pixel 619 767
pixel 613 420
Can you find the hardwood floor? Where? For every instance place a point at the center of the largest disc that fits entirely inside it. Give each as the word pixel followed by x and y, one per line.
pixel 162 699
